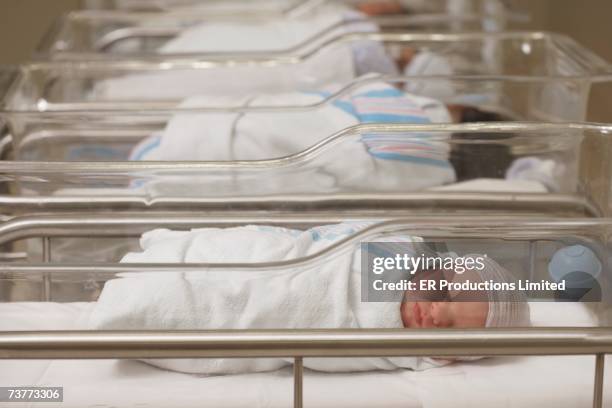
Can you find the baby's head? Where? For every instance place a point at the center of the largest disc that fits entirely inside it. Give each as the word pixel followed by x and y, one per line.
pixel 380 7
pixel 466 308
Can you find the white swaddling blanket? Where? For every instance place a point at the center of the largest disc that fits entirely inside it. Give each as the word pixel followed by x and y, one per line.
pixel 258 6
pixel 368 162
pixel 335 64
pixel 264 135
pixel 322 295
pixel 270 34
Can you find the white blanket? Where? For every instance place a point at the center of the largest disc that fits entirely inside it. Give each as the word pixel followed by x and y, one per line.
pixel 305 33
pixel 265 135
pixel 322 295
pixel 267 35
pixel 232 6
pixel 333 65
pixel 358 162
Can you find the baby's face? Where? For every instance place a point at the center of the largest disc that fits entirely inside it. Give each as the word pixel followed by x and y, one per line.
pixel 380 7
pixel 446 314
pixel 447 309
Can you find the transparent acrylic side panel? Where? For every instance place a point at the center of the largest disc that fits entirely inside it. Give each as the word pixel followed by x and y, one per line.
pixel 80 32
pixel 137 36
pixel 165 5
pixel 71 85
pixel 566 167
pixel 8 79
pixel 169 5
pixel 119 136
pixel 525 250
pixel 572 250
pixel 81 138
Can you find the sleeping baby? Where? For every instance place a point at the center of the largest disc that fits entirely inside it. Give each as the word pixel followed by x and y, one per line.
pixel 396 162
pixel 408 161
pixel 349 60
pixel 318 38
pixel 258 135
pixel 319 289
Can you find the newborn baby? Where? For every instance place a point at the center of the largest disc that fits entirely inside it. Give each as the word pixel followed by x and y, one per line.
pixel 378 8
pixel 389 161
pixel 348 59
pixel 323 293
pixel 264 135
pixel 389 7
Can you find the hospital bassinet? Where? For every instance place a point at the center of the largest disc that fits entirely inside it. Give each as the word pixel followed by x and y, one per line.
pixel 34 351
pixel 87 33
pixel 284 8
pixel 115 83
pixel 90 135
pixel 566 182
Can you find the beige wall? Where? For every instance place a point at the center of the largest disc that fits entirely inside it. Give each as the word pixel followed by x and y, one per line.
pixel 588 22
pixel 24 22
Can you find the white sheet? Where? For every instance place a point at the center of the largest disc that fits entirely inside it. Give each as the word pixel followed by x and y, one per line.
pixel 508 382
pixel 472 186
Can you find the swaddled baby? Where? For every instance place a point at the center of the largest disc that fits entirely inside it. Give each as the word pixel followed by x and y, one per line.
pixel 389 162
pixel 339 63
pixel 268 134
pixel 317 294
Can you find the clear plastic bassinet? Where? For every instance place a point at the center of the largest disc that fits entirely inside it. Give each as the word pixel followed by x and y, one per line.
pixel 499 168
pixel 92 34
pixel 114 83
pixel 134 132
pixel 284 8
pixel 62 350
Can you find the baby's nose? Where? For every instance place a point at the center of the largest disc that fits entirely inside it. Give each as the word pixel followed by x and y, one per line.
pixel 440 314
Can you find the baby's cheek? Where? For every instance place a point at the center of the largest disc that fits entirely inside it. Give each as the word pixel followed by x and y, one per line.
pixel 470 314
pixel 482 312
pixel 406 314
pixel 441 314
